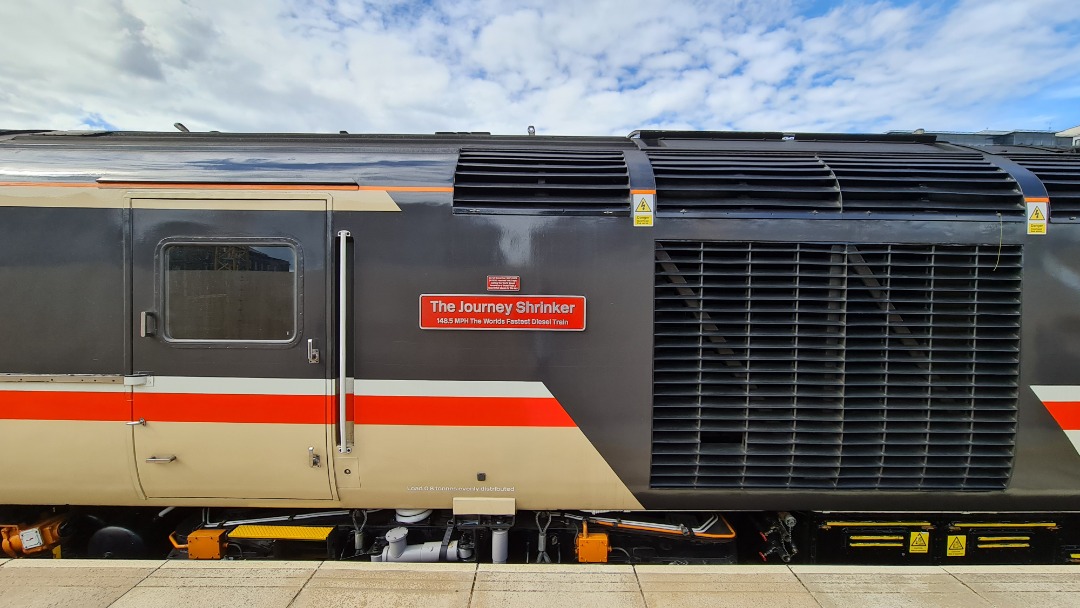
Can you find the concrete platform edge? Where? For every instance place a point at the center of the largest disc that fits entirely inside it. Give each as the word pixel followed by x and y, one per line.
pixel 177 584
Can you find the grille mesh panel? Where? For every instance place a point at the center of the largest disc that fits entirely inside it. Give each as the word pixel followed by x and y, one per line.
pixel 1061 175
pixel 787 365
pixel 695 181
pixel 540 182
pixel 965 184
pixel 710 183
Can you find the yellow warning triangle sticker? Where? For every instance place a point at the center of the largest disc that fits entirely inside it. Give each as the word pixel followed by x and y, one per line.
pixel 918 540
pixel 643 207
pixel 1037 215
pixel 956 545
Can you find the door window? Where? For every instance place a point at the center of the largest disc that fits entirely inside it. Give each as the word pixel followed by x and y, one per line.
pixel 230 292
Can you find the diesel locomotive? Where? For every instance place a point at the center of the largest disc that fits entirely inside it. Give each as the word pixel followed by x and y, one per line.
pixel 673 346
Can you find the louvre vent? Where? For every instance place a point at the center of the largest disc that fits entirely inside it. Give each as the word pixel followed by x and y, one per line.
pixel 693 182
pixel 697 183
pixel 1061 175
pixel 800 366
pixel 950 184
pixel 560 182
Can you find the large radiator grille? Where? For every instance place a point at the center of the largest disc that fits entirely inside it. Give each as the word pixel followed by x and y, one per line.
pixel 811 365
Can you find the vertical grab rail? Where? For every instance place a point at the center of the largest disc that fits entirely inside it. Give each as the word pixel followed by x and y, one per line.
pixel 342 337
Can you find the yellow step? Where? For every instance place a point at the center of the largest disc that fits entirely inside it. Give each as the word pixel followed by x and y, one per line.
pixel 281 532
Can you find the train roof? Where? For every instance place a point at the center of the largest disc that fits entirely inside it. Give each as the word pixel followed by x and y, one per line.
pixel 452 142
pixel 698 173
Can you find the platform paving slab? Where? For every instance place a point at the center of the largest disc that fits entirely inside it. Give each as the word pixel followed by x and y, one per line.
pixel 708 586
pixel 877 579
pixel 377 585
pixel 34 583
pixel 195 573
pixel 565 586
pixel 1033 599
pixel 691 586
pixel 1026 579
pixel 901 600
pixel 195 584
pixel 749 578
pixel 887 587
pixel 1022 586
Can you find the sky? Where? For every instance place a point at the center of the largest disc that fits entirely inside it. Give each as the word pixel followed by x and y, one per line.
pixel 568 67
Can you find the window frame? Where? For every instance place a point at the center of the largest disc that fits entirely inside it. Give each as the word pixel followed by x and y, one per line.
pixel 161 289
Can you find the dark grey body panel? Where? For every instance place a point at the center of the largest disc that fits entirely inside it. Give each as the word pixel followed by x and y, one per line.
pixel 62 300
pixel 304 230
pixel 602 376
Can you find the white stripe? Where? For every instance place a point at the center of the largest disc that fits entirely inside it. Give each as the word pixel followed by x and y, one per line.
pixel 1074 437
pixel 63 387
pixel 1057 393
pixel 449 388
pixel 299 386
pixel 236 386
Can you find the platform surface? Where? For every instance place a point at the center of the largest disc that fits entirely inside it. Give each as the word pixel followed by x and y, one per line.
pixel 183 584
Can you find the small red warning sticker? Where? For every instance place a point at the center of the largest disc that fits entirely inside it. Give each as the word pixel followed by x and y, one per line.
pixel 499 312
pixel 499 282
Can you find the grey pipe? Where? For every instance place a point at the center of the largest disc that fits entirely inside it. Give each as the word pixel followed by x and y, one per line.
pixel 398 550
pixel 500 546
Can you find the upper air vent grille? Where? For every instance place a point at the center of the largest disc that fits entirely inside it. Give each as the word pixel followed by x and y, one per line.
pixel 943 184
pixel 555 182
pixel 701 183
pixel 1061 175
pixel 709 183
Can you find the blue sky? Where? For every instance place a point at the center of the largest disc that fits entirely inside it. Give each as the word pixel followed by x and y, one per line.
pixel 571 67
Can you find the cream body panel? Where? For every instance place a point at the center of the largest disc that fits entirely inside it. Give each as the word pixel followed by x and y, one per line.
pixel 90 196
pixel 89 462
pixel 84 196
pixel 232 461
pixel 293 203
pixel 426 467
pixel 48 462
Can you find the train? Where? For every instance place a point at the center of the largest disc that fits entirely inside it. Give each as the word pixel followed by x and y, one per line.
pixel 688 347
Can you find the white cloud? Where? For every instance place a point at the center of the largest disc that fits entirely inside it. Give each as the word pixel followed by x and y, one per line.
pixel 602 67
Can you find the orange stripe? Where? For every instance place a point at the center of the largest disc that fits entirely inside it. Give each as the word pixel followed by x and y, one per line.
pixel 1066 413
pixel 462 411
pixel 264 409
pixel 1037 199
pixel 408 188
pixel 50 405
pixel 643 192
pixel 284 409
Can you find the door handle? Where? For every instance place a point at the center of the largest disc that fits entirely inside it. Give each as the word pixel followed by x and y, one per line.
pixel 161 459
pixel 146 328
pixel 315 459
pixel 312 352
pixel 139 422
